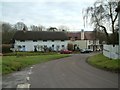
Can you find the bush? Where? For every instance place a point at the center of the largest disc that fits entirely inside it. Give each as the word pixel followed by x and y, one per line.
pixel 6 48
pixel 70 47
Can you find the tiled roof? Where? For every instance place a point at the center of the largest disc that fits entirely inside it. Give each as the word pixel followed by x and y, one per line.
pixel 88 35
pixel 74 34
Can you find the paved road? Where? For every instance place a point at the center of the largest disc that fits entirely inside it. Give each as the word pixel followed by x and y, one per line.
pixel 71 72
pixel 13 79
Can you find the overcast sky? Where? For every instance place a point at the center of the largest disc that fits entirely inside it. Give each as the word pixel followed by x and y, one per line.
pixel 46 12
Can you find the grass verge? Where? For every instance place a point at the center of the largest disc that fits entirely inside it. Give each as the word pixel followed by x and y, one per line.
pixel 102 62
pixel 13 63
pixel 28 53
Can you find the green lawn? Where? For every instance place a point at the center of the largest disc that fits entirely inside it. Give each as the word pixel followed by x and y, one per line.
pixel 13 63
pixel 0 64
pixel 105 63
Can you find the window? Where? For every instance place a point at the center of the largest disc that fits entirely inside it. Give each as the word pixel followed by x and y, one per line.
pixel 19 47
pixel 62 45
pixel 45 46
pixel 35 48
pixel 52 40
pixel 23 49
pixel 44 40
pixel 91 42
pixel 75 38
pixel 70 38
pixel 53 47
pixel 62 40
pixel 23 45
pixel 34 40
pixel 57 47
pixel 22 40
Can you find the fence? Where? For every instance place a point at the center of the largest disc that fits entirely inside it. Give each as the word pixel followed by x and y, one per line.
pixel 111 51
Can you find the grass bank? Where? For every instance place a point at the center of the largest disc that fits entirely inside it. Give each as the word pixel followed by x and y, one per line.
pixel 102 62
pixel 13 63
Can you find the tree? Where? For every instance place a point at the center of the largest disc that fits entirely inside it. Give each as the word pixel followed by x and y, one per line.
pixel 7 33
pixel 34 28
pixel 103 15
pixel 99 35
pixel 63 28
pixel 37 28
pixel 52 29
pixel 41 28
pixel 20 26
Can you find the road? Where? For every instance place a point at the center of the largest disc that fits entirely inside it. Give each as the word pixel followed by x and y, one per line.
pixel 71 72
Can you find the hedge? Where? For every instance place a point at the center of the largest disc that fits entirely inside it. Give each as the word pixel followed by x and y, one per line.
pixel 6 48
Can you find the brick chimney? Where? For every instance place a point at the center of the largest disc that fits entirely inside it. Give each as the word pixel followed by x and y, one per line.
pixel 82 34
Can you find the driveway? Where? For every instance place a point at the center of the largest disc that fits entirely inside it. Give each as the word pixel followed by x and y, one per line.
pixel 71 72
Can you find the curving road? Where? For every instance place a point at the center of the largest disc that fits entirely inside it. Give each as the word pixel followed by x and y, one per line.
pixel 71 72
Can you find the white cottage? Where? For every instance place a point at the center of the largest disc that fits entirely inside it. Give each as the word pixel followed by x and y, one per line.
pixel 40 41
pixel 84 39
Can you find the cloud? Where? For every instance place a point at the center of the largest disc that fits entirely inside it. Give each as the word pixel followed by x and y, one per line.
pixel 47 13
pixel 89 1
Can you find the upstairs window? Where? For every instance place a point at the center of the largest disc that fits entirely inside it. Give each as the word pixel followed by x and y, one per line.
pixel 62 40
pixel 70 38
pixel 23 45
pixel 34 40
pixel 76 38
pixel 63 46
pixel 44 40
pixel 52 45
pixel 22 40
pixel 91 42
pixel 52 40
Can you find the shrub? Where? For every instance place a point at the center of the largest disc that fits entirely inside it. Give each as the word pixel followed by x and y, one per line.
pixel 6 48
pixel 70 47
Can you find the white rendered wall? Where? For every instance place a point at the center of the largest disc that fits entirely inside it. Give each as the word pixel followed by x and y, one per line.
pixel 110 51
pixel 29 44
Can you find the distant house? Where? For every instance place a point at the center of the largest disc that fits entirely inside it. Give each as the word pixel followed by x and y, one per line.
pixel 83 39
pixel 40 40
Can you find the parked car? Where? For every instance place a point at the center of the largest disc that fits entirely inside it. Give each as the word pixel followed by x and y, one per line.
pixel 86 50
pixel 65 51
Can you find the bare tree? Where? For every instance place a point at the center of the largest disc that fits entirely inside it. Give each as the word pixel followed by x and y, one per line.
pixel 41 28
pixel 52 29
pixel 20 26
pixel 102 13
pixel 63 28
pixel 37 28
pixel 34 28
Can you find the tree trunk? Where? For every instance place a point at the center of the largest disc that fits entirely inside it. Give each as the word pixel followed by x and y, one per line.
pixel 107 35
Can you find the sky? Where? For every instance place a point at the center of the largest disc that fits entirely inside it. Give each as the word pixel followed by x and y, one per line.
pixel 48 13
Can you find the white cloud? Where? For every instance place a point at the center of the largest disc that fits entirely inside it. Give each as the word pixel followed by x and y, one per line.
pixel 89 1
pixel 45 12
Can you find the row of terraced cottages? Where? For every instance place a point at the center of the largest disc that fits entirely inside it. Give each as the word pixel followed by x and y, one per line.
pixel 54 41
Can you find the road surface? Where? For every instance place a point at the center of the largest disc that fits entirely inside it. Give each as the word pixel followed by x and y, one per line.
pixel 71 72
